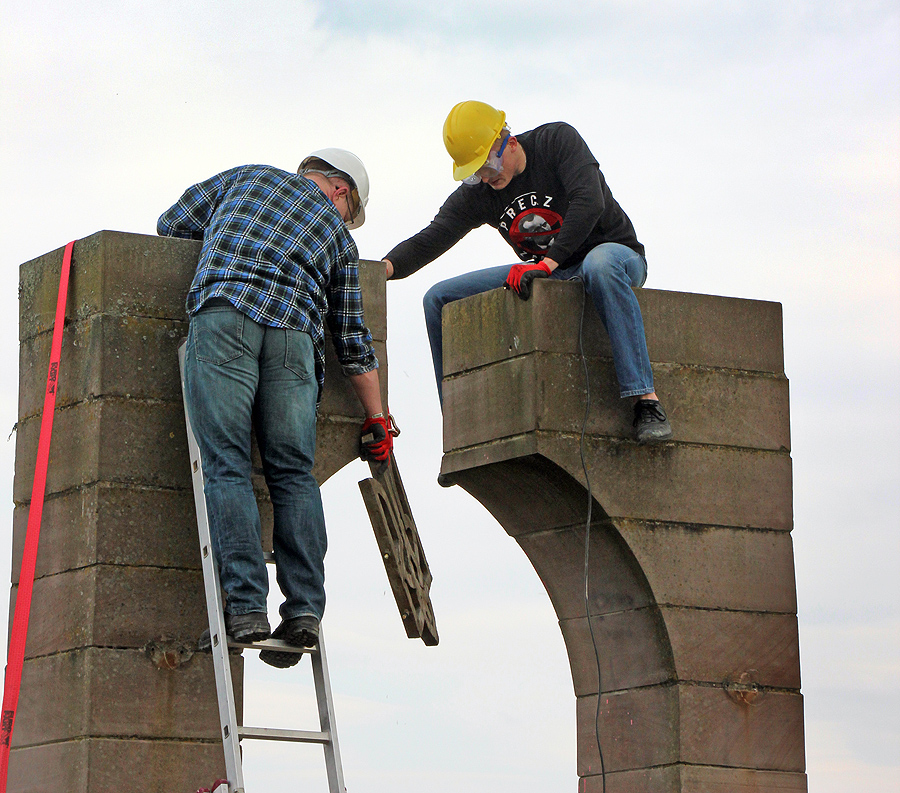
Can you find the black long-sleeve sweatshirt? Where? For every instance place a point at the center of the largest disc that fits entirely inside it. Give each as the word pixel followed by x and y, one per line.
pixel 560 206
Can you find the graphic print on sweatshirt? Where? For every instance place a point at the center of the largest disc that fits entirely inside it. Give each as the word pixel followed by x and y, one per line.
pixel 531 224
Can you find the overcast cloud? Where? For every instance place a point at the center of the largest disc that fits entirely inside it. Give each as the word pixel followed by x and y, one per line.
pixel 756 147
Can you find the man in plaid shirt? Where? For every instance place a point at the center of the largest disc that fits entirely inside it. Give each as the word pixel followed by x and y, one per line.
pixel 277 263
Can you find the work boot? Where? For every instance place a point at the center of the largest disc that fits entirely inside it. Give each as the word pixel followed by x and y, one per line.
pixel 297 632
pixel 241 628
pixel 247 628
pixel 650 422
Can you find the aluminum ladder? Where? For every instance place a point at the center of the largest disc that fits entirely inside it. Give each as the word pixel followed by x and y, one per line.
pixel 232 733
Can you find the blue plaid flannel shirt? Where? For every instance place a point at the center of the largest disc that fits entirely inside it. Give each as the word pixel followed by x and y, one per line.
pixel 279 251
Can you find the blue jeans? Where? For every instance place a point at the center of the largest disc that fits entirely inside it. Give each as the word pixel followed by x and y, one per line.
pixel 608 273
pixel 238 373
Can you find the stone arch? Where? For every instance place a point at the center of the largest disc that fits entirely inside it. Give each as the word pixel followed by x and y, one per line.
pixel 695 603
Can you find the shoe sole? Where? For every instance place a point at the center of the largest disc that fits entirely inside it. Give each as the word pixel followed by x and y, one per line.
pixel 280 660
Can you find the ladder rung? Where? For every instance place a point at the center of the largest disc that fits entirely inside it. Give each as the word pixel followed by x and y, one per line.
pixel 272 644
pixel 269 734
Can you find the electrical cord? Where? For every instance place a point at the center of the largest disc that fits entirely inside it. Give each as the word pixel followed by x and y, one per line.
pixel 587 533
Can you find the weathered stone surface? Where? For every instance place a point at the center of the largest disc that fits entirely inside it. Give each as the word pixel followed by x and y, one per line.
pixel 696 779
pixel 126 441
pixel 638 729
pixel 716 646
pixel 108 523
pixel 550 395
pixel 115 606
pixel 715 568
pixel 616 581
pixel 708 779
pixel 103 765
pixel 681 328
pixel 116 273
pixel 717 731
pixel 118 577
pixel 690 482
pixel 99 692
pixel 691 584
pixel 631 645
pixel 698 725
pixel 104 356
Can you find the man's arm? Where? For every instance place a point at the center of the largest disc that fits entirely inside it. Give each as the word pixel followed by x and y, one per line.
pixel 368 392
pixel 189 218
pixel 456 218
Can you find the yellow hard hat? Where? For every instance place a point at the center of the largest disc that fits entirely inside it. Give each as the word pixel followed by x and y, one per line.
pixel 469 132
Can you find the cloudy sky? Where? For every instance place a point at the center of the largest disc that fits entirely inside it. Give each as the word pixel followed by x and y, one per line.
pixel 756 146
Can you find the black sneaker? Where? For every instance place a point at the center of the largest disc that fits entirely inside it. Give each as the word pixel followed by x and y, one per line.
pixel 650 422
pixel 297 632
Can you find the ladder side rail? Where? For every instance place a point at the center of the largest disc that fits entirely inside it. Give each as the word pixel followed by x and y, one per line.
pixel 218 637
pixel 326 718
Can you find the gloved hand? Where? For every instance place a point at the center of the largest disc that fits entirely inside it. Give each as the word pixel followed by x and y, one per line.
pixel 521 275
pixel 376 438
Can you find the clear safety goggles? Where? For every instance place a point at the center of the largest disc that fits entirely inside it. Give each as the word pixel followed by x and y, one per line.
pixel 492 167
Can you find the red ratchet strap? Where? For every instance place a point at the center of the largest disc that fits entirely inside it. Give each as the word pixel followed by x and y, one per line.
pixel 16 653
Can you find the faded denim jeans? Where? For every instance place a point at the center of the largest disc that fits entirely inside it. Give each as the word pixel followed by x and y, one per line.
pixel 238 373
pixel 608 272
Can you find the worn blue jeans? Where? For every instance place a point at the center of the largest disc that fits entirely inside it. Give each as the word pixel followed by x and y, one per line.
pixel 608 273
pixel 238 373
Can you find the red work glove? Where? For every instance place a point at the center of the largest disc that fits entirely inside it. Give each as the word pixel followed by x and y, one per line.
pixel 376 438
pixel 521 275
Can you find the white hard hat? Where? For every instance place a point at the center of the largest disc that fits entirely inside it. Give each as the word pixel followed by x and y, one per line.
pixel 346 162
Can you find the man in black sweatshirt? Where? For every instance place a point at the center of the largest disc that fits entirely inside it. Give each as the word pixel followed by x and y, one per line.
pixel 544 192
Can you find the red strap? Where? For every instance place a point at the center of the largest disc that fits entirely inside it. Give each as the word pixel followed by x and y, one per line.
pixel 16 653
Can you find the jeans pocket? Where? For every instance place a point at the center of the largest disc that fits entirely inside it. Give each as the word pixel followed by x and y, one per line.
pixel 299 356
pixel 218 334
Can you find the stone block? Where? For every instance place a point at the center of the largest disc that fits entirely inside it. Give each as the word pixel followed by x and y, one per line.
pixel 710 330
pixel 105 765
pixel 718 646
pixel 696 779
pixel 715 568
pixel 373 284
pixel 111 524
pixel 710 485
pixel 104 356
pixel 133 442
pixel 681 328
pixel 708 779
pixel 113 272
pixel 616 582
pixel 529 493
pixel 638 729
pixel 724 407
pixel 632 648
pixel 102 692
pixel 691 484
pixel 662 779
pixel 698 725
pixel 718 731
pixel 339 398
pixel 115 606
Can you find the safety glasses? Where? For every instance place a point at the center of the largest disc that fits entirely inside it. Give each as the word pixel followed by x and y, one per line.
pixel 353 203
pixel 492 167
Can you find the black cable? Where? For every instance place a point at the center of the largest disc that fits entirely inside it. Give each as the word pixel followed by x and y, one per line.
pixel 587 534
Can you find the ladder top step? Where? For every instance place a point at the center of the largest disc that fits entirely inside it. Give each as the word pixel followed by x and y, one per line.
pixel 272 644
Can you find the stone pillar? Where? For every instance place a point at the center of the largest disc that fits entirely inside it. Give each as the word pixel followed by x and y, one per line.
pixel 112 692
pixel 692 596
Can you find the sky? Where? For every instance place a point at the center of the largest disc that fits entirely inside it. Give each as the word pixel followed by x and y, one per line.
pixel 755 144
